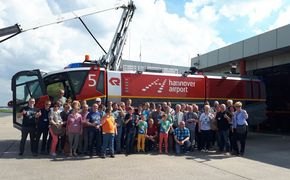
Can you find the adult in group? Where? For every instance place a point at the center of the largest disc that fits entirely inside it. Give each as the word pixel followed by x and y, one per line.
pixel 56 127
pixel 223 124
pixel 64 115
pixel 190 119
pixel 151 136
pixel 156 115
pixel 131 121
pixel 29 114
pixel 83 142
pixel 98 101
pixel 178 116
pixel 119 115
pixel 60 97
pixel 205 120
pixel 109 131
pixel 181 136
pixel 42 127
pixel 240 126
pixel 74 128
pixel 128 104
pixel 94 130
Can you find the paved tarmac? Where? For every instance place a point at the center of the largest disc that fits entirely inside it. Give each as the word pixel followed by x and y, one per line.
pixel 267 157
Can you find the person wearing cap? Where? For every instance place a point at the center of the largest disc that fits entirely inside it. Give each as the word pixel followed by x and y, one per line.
pixel 98 101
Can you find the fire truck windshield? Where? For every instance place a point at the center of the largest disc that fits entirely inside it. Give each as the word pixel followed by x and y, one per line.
pixel 78 83
pixel 71 82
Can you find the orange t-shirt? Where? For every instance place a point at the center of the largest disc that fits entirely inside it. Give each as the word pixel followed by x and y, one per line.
pixel 109 125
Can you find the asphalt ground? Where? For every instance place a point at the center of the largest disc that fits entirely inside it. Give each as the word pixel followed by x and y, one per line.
pixel 266 157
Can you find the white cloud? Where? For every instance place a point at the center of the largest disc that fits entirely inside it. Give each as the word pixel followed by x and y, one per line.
pixel 256 11
pixel 165 38
pixel 283 18
pixel 201 11
pixel 170 38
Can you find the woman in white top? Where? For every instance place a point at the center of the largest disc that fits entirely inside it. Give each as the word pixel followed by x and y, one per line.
pixel 205 120
pixel 56 127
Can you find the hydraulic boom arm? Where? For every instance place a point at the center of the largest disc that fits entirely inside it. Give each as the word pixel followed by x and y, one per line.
pixel 113 58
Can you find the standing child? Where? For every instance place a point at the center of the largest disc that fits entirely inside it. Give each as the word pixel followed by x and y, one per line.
pixel 142 132
pixel 164 129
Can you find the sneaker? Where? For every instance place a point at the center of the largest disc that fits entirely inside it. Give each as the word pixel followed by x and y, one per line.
pixel 227 154
pixel 53 156
pixel 112 156
pixel 103 157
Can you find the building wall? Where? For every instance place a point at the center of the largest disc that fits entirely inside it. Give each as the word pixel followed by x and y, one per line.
pixel 265 50
pixel 127 65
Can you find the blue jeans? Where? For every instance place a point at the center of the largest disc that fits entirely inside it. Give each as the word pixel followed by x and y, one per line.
pixel 223 140
pixel 185 147
pixel 108 141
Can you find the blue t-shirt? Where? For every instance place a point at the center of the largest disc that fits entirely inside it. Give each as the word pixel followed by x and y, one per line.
pixel 146 113
pixel 94 117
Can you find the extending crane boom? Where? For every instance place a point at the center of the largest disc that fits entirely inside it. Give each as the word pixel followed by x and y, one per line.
pixel 110 60
pixel 17 29
pixel 113 58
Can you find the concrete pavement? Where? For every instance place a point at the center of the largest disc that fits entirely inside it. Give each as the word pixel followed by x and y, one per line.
pixel 267 157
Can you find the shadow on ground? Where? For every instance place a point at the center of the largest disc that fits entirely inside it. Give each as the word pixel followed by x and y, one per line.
pixel 265 148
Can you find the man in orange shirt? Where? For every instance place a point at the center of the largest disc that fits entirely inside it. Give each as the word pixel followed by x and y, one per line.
pixel 109 130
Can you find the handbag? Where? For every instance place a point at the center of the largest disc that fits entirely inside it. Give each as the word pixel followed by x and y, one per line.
pixel 58 131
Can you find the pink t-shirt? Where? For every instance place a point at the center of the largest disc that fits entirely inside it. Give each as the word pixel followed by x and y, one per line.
pixel 74 123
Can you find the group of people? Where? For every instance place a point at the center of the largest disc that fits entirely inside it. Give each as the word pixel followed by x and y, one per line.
pixel 75 128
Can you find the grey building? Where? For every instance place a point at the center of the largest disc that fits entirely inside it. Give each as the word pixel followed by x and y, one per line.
pixel 128 65
pixel 267 56
pixel 267 50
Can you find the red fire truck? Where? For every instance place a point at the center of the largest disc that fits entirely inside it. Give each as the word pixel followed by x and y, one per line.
pixel 102 79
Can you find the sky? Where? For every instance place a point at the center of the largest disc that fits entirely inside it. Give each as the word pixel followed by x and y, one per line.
pixel 163 31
